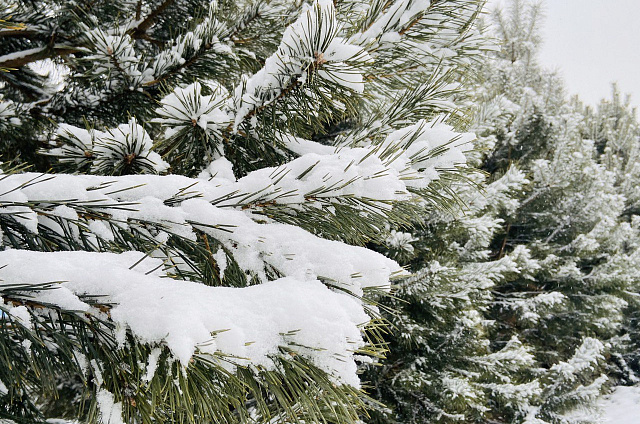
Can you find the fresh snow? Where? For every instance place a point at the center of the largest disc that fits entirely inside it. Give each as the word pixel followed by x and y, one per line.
pixel 106 148
pixel 396 18
pixel 17 55
pixel 247 324
pixel 110 410
pixel 312 40
pixel 288 248
pixel 187 107
pixel 622 406
pixel 190 44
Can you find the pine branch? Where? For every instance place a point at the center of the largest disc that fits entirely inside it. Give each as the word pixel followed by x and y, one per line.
pixel 22 32
pixel 304 169
pixel 15 61
pixel 139 30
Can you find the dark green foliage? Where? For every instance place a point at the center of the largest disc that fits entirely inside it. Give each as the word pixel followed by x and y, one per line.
pixel 120 88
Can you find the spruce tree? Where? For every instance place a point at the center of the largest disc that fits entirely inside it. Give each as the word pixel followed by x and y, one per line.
pixel 569 309
pixel 440 368
pixel 188 187
pixel 523 305
pixel 615 131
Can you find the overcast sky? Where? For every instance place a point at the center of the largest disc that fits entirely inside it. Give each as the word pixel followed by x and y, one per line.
pixel 593 43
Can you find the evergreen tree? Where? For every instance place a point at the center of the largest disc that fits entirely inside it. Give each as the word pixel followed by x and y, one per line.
pixel 440 368
pixel 614 129
pixel 519 309
pixel 189 244
pixel 570 309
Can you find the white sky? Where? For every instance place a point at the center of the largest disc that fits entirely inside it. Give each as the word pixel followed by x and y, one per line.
pixel 593 43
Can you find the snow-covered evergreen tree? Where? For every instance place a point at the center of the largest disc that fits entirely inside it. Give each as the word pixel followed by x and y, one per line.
pixel 569 307
pixel 519 308
pixel 614 129
pixel 196 254
pixel 440 368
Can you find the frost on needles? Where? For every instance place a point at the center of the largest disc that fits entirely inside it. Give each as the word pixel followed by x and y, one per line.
pixel 192 240
pixel 523 305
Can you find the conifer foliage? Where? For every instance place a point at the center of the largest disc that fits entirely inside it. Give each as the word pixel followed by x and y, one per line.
pixel 187 190
pixel 568 305
pixel 523 306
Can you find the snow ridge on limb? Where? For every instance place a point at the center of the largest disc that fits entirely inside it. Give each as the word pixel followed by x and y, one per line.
pixel 143 198
pixel 246 326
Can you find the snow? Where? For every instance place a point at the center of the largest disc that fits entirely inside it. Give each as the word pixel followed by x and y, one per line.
pixel 190 44
pixel 22 315
pixel 247 324
pixel 380 173
pixel 291 250
pixel 221 168
pixel 79 137
pixel 254 246
pixel 8 113
pixel 300 146
pixel 19 54
pixel 186 107
pixel 400 240
pixel 395 18
pixel 114 51
pixel 353 173
pixel 221 261
pixel 622 406
pixel 586 357
pixel 152 364
pixel 129 142
pixel 110 411
pixel 311 41
pixel 420 150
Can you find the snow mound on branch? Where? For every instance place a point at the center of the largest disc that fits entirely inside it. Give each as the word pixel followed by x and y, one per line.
pixel 187 107
pixel 426 148
pixel 255 246
pixel 397 17
pixel 414 155
pixel 127 143
pixel 248 324
pixel 292 250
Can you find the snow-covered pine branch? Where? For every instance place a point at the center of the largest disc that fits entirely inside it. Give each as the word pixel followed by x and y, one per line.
pixel 212 266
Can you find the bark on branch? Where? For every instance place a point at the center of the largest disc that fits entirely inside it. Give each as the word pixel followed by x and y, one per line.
pixel 16 61
pixel 140 30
